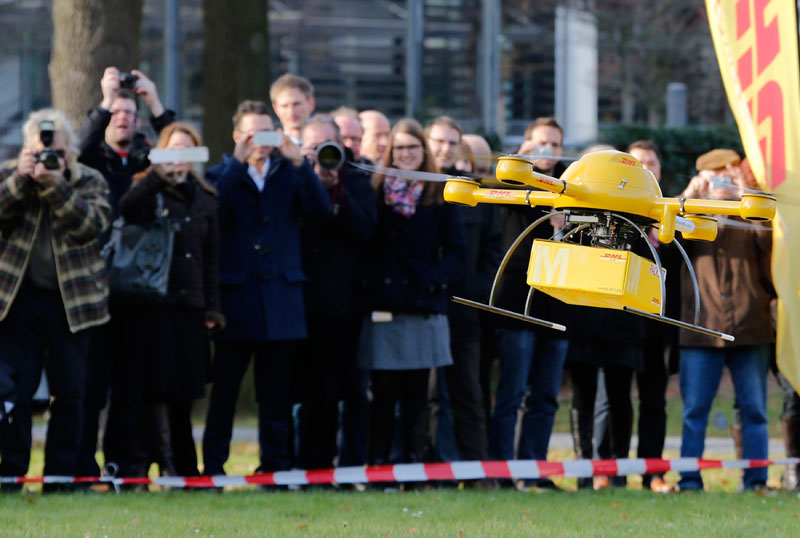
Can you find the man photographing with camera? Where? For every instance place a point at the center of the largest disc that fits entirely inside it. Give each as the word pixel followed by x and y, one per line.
pixel 334 250
pixel 109 143
pixel 52 287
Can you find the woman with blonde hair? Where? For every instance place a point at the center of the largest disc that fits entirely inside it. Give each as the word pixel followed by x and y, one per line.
pixel 172 335
pixel 418 251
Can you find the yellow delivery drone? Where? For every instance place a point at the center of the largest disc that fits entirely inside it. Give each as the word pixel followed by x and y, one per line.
pixel 610 201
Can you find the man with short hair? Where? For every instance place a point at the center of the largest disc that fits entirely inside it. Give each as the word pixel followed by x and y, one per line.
pixel 109 143
pixel 334 255
pixel 484 240
pixel 531 357
pixel 544 136
pixel 350 128
pixel 54 287
pixel 293 102
pixel 263 194
pixel 376 135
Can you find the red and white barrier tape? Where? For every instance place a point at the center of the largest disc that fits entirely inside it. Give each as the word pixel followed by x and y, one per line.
pixel 425 472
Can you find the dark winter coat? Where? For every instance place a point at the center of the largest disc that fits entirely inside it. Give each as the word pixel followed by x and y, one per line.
pixel 335 248
pixel 484 250
pixel 414 261
pixel 261 272
pixel 194 273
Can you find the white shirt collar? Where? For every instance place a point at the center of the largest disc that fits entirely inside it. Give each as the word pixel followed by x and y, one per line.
pixel 259 177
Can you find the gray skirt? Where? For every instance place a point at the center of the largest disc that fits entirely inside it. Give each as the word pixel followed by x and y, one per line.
pixel 408 342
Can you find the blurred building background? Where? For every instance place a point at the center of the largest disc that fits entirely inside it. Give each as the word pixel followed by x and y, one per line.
pixel 494 65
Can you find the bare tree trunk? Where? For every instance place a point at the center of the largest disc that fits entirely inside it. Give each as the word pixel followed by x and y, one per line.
pixel 88 36
pixel 235 65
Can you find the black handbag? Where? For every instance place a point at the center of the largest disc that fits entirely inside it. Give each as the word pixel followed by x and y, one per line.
pixel 138 256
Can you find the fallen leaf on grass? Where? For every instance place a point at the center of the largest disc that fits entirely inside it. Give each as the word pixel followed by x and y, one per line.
pixel 461 532
pixel 30 500
pixel 412 530
pixel 616 505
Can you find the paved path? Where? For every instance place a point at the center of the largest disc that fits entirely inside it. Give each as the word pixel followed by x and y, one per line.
pixel 558 440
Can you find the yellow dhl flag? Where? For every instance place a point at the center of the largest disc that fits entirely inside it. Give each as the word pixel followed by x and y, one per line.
pixel 757 50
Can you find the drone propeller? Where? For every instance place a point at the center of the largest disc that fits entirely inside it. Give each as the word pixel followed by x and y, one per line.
pixel 413 175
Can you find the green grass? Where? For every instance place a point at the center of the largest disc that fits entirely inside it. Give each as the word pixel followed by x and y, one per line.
pixel 429 513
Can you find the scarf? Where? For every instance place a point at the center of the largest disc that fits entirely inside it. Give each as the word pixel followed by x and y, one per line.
pixel 402 195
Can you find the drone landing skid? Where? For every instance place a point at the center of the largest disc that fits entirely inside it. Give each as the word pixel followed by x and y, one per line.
pixel 681 324
pixel 510 314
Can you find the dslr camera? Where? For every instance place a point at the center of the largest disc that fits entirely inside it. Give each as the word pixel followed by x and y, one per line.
pixel 47 156
pixel 127 81
pixel 330 155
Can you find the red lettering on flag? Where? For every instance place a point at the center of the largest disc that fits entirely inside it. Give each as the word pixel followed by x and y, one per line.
pixel 742 17
pixel 744 68
pixel 770 106
pixel 767 41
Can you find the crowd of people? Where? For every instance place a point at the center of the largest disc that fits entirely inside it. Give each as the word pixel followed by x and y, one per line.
pixel 335 281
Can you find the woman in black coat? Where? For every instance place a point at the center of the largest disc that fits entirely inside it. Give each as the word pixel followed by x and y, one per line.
pixel 418 252
pixel 171 337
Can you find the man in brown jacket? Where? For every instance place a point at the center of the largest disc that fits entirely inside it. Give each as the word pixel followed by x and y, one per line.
pixel 52 286
pixel 735 291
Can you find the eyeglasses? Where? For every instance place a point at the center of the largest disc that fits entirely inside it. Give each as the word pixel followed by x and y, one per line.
pixel 412 147
pixel 443 142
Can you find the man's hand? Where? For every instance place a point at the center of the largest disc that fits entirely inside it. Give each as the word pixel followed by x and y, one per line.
pixel 698 186
pixel 146 88
pixel 109 84
pixel 244 148
pixel 26 164
pixel 290 150
pixel 47 178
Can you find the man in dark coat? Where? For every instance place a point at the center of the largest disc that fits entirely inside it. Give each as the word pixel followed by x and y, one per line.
pixel 109 143
pixel 531 357
pixel 262 196
pixel 334 253
pixel 483 255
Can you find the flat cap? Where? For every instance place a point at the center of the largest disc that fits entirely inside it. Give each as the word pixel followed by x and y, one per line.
pixel 717 158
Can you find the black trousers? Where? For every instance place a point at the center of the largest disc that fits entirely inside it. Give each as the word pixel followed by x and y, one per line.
pixel 272 377
pixel 466 400
pixel 652 385
pixel 409 388
pixel 327 373
pixel 35 323
pixel 584 389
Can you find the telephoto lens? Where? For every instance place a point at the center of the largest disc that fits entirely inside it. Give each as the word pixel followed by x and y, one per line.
pixel 330 155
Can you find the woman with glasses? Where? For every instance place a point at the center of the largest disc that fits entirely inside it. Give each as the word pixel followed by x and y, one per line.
pixel 418 251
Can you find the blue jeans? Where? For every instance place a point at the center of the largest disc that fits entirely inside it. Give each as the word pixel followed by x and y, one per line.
pixel 701 369
pixel 527 359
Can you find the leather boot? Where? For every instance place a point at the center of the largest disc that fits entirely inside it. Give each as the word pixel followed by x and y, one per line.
pixel 736 433
pixel 791 438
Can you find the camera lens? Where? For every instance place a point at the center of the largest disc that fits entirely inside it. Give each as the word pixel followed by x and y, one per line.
pixel 330 155
pixel 127 81
pixel 50 159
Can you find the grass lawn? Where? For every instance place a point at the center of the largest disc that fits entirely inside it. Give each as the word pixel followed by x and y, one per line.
pixel 435 512
pixel 438 512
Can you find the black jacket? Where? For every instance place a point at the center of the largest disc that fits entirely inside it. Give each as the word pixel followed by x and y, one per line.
pixel 94 152
pixel 512 290
pixel 484 250
pixel 194 273
pixel 334 248
pixel 414 261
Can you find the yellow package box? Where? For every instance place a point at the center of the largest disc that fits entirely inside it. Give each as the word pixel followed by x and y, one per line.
pixel 593 276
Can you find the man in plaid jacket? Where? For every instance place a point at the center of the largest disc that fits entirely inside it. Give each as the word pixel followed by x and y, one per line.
pixel 52 286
